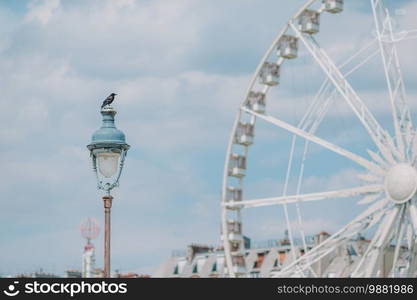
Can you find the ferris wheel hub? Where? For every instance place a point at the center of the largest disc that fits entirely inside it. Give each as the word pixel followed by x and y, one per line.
pixel 401 183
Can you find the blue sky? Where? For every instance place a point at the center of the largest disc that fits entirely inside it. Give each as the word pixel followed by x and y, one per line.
pixel 180 68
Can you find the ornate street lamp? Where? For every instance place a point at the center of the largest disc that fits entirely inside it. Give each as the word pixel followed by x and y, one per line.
pixel 108 150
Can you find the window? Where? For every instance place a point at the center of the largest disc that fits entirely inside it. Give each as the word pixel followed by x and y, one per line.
pixel 176 271
pixel 259 261
pixel 351 251
pixel 214 268
pixel 281 257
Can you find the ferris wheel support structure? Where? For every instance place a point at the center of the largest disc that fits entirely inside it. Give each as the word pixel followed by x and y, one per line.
pixel 395 83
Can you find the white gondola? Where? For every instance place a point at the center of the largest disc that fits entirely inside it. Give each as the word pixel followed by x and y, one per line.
pixel 236 246
pixel 237 165
pixel 234 194
pixel 333 6
pixel 238 262
pixel 288 47
pixel 309 21
pixel 244 134
pixel 269 74
pixel 256 102
pixel 234 229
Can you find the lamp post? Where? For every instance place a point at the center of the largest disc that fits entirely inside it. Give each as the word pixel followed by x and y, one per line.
pixel 108 151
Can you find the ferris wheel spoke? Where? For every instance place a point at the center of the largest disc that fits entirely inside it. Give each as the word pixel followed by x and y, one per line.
pixel 380 137
pixel 381 238
pixel 322 100
pixel 366 47
pixel 310 137
pixel 412 261
pixel 320 104
pixel 402 224
pixel 406 35
pixel 387 44
pixel 365 220
pixel 411 255
pixel 345 193
pixel 413 216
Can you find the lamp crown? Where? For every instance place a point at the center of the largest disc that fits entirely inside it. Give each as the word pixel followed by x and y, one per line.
pixel 108 136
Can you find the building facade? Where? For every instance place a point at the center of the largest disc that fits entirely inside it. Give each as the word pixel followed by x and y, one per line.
pixel 267 259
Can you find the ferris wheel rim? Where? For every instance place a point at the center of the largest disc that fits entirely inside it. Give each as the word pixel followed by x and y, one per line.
pixel 237 118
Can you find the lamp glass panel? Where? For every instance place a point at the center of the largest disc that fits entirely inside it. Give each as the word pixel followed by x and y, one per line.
pixel 107 163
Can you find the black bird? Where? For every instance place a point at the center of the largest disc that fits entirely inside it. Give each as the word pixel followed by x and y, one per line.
pixel 108 100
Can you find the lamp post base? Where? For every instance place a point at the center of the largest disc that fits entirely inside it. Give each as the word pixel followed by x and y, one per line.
pixel 107 210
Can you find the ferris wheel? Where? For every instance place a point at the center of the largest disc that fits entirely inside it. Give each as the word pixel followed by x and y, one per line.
pixel 388 178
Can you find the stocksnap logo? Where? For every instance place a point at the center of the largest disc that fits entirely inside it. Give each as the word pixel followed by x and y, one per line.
pixel 11 289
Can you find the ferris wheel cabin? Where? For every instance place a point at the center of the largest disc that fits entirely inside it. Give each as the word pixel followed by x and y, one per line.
pixel 288 47
pixel 256 102
pixel 237 165
pixel 333 6
pixel 309 21
pixel 244 134
pixel 269 74
pixel 234 229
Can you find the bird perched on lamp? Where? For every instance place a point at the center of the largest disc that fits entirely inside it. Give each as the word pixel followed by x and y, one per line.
pixel 108 100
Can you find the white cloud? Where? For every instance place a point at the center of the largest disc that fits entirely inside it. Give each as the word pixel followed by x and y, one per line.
pixel 345 178
pixel 42 10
